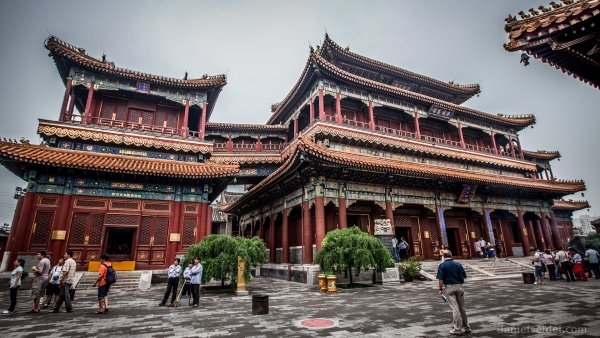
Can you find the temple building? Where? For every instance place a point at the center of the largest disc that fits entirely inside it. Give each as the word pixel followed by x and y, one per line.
pixel 132 164
pixel 565 35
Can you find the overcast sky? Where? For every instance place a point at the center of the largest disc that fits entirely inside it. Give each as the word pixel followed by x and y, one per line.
pixel 262 46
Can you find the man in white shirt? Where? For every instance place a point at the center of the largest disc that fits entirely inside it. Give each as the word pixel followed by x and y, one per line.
pixel 173 272
pixel 196 280
pixel 563 260
pixel 593 257
pixel 66 281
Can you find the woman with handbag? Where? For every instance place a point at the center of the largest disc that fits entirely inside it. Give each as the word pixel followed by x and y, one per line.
pixel 52 288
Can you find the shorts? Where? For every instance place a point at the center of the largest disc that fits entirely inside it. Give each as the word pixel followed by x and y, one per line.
pixel 538 271
pixel 52 289
pixel 103 291
pixel 37 287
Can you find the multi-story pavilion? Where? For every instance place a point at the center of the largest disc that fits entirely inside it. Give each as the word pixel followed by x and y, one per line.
pixel 132 164
pixel 566 35
pixel 369 140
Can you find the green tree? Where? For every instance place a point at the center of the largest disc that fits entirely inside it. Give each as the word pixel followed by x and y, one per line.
pixel 592 241
pixel 351 250
pixel 219 255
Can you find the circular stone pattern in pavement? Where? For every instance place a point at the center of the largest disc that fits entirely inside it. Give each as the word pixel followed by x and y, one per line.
pixel 317 323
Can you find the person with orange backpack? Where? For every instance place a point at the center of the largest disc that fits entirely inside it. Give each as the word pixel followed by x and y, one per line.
pixel 106 277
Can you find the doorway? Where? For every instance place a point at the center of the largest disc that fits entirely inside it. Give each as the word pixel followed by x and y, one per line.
pixel 119 243
pixel 454 241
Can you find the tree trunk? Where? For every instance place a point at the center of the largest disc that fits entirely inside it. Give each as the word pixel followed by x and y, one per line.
pixel 350 273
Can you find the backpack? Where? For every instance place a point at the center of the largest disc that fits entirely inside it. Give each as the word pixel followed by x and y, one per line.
pixel 111 275
pixel 24 275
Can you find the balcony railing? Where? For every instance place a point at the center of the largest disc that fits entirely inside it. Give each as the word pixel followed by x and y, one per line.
pixel 221 147
pixel 101 121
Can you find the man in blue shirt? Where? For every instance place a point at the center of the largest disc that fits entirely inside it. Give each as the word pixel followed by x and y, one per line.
pixel 196 280
pixel 451 275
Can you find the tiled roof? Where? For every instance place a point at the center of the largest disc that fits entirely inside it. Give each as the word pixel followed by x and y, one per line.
pixel 470 89
pixel 107 135
pixel 219 126
pixel 388 166
pixel 542 154
pixel 570 205
pixel 59 48
pixel 65 158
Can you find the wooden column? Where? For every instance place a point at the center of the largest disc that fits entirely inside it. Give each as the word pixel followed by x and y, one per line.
pixel 71 105
pixel 201 227
pixel 492 136
pixel 62 221
pixel 319 220
pixel 296 127
pixel 321 105
pixel 441 223
pixel 258 146
pixel 545 231
pixel 338 109
pixel 540 235
pixel 506 239
pixel 524 233
pixel 209 212
pixel 311 111
pixel 487 223
pixel 272 247
pixel 186 113
pixel 175 226
pixel 554 228
pixel 342 215
pixel 202 129
pixel 532 238
pixel 389 212
pixel 462 138
pixel 520 149
pixel 19 235
pixel 371 115
pixel 417 128
pixel 470 228
pixel 307 236
pixel 88 104
pixel 63 108
pixel 285 237
pixel 512 147
pixel 229 144
pixel 426 235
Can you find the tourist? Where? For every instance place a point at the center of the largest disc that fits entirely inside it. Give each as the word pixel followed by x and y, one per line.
pixel 565 264
pixel 478 251
pixel 548 260
pixel 53 285
pixel 537 263
pixel 103 284
pixel 395 249
pixel 196 274
pixel 403 247
pixel 173 282
pixel 482 245
pixel 187 277
pixel 451 276
pixel 592 257
pixel 490 252
pixel 15 284
pixel 66 282
pixel 40 279
pixel 499 248
pixel 578 270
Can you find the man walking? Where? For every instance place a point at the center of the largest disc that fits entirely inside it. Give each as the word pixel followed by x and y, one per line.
pixel 592 256
pixel 103 284
pixel 196 280
pixel 66 281
pixel 403 246
pixel 451 276
pixel 40 280
pixel 172 283
pixel 395 249
pixel 563 260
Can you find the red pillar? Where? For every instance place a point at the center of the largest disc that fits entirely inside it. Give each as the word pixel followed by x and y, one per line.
pixel 494 142
pixel 229 144
pixel 389 211
pixel 532 238
pixel 174 227
pixel 62 217
pixel 524 233
pixel 202 128
pixel 258 144
pixel 186 113
pixel 371 115
pixel 342 218
pixel 545 231
pixel 417 128
pixel 462 138
pixel 307 237
pixel 272 247
pixel 321 106
pixel 88 104
pixel 426 235
pixel 285 237
pixel 520 149
pixel 71 105
pixel 320 220
pixel 311 111
pixel 338 108
pixel 209 212
pixel 554 228
pixel 296 127
pixel 18 240
pixel 8 250
pixel 512 147
pixel 63 108
pixel 201 227
pixel 540 234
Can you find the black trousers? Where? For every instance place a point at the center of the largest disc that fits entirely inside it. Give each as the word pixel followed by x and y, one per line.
pixel 595 267
pixel 195 293
pixel 551 271
pixel 171 285
pixel 65 296
pixel 404 253
pixel 13 298
pixel 186 289
pixel 568 271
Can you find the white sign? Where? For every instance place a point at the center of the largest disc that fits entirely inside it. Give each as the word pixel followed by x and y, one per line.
pixel 383 227
pixel 390 275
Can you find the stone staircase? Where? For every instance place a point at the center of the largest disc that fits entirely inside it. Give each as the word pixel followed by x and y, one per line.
pixel 125 280
pixel 483 269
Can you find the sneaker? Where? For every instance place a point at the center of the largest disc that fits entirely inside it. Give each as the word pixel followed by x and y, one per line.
pixel 45 306
pixel 456 332
pixel 534 283
pixel 466 329
pixel 6 312
pixel 54 311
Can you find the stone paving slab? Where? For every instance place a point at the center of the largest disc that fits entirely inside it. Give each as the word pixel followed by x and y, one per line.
pixel 496 308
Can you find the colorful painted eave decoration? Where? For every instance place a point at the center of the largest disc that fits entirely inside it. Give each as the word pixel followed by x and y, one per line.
pixel 55 157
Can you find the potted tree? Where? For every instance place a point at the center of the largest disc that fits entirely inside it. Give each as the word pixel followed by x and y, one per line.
pixel 411 269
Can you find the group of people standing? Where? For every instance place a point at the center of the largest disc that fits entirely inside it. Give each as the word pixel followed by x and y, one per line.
pixel 559 262
pixel 192 277
pixel 485 249
pixel 400 249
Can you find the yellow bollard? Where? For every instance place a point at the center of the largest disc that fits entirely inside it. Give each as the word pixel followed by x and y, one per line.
pixel 331 288
pixel 322 282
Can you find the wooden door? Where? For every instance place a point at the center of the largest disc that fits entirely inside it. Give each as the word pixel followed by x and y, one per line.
pixel 152 240
pixel 40 232
pixel 85 238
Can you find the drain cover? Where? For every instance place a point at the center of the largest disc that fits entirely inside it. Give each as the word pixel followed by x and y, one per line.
pixel 317 323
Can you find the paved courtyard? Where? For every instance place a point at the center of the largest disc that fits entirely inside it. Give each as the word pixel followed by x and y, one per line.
pixel 496 308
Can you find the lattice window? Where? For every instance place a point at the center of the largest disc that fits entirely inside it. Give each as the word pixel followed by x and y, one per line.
pixel 41 231
pixel 414 221
pixel 96 230
pixel 52 201
pixel 125 205
pixel 78 225
pixel 189 208
pixel 160 230
pixel 145 231
pixel 433 230
pixel 189 224
pixel 166 114
pixel 477 228
pixel 120 219
pixel 157 206
pixel 84 203
pixel 122 109
pixel 134 116
pixel 108 105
